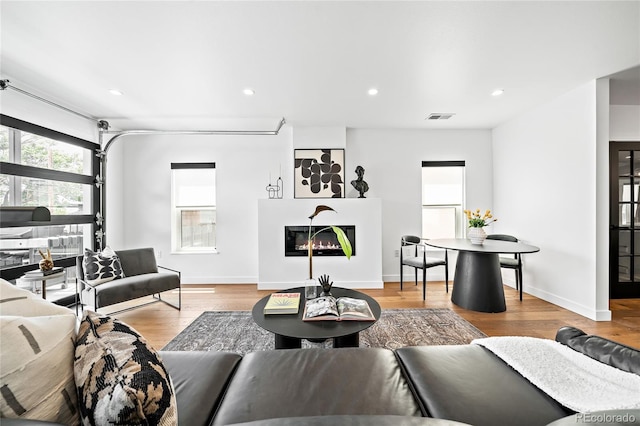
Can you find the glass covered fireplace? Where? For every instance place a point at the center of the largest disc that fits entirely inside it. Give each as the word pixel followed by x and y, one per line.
pixel 325 243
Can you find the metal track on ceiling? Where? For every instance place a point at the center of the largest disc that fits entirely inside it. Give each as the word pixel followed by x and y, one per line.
pixel 103 125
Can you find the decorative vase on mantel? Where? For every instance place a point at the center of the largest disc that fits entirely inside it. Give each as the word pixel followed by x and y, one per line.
pixel 477 235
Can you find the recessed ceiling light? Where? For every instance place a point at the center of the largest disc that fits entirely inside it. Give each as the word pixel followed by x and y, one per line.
pixel 115 92
pixel 497 92
pixel 373 91
pixel 248 92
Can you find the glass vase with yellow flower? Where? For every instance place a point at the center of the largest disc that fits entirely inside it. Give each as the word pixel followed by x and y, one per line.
pixel 477 222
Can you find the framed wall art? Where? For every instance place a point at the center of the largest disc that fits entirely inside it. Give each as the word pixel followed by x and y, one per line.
pixel 318 173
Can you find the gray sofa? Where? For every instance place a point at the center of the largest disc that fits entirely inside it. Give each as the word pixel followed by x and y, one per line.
pixel 141 278
pixel 435 385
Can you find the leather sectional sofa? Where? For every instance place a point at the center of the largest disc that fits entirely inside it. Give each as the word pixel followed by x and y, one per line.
pixel 463 383
pixel 369 386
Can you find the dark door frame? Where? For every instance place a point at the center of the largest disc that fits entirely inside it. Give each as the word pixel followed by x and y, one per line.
pixel 617 289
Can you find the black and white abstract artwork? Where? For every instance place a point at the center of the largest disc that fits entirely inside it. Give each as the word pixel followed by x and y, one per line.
pixel 319 173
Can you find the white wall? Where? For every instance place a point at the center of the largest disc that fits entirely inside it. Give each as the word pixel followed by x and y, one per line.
pixel 392 160
pixel 624 122
pixel 25 108
pixel 243 164
pixel 363 270
pixel 544 164
pixel 115 188
pixel 138 189
pixel 601 185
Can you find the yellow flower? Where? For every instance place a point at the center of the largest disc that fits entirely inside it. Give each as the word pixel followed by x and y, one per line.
pixel 479 220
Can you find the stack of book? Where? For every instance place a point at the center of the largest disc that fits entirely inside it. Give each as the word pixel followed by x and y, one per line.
pixel 41 273
pixel 282 303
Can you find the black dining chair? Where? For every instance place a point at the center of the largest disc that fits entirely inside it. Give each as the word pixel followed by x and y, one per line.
pixel 514 262
pixel 421 261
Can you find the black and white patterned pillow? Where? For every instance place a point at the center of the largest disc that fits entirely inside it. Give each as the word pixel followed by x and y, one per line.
pixel 120 379
pixel 101 267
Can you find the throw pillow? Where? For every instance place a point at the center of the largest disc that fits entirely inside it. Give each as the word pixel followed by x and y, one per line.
pixel 101 267
pixel 36 353
pixel 120 378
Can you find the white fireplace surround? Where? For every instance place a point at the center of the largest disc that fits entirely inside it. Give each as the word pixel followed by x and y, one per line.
pixel 277 272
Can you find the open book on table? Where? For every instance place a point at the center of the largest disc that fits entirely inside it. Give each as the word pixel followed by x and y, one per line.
pixel 328 308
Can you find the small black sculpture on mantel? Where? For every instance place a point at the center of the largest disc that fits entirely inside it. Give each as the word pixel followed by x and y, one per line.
pixel 359 184
pixel 325 284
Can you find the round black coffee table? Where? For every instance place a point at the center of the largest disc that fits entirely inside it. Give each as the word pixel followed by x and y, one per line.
pixel 289 330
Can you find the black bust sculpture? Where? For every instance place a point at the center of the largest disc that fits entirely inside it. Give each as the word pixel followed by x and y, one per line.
pixel 359 184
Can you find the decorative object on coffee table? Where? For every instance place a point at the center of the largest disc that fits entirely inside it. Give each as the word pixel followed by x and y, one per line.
pixel 360 184
pixel 46 264
pixel 326 285
pixel 344 242
pixel 310 288
pixel 477 223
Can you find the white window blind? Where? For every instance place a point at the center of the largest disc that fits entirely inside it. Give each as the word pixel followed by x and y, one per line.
pixel 193 207
pixel 442 199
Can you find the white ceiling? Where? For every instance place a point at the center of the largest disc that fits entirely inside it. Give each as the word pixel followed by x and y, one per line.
pixel 184 64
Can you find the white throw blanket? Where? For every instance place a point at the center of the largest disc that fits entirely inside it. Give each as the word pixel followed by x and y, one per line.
pixel 573 379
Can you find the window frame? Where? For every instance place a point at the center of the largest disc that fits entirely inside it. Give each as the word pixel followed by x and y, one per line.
pixel 459 208
pixel 21 170
pixel 176 212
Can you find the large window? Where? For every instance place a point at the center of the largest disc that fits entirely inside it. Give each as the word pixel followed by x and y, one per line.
pixel 194 207
pixel 43 167
pixel 442 199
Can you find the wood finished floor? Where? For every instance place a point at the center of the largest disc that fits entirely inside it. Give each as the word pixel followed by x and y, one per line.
pixel 160 323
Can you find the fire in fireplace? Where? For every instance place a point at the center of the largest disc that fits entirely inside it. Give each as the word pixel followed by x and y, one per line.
pixel 325 243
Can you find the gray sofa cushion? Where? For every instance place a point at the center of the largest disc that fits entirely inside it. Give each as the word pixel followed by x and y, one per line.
pixel 132 287
pixel 469 384
pixel 138 261
pixel 199 379
pixel 313 382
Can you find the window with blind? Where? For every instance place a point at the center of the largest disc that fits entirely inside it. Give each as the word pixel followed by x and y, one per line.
pixel 193 189
pixel 442 199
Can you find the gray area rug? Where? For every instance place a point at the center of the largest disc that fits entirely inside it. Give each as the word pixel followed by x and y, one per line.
pixel 235 331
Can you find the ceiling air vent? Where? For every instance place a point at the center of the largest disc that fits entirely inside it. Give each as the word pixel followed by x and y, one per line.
pixel 440 115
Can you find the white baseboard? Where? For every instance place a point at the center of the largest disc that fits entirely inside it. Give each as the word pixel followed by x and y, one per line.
pixel 218 280
pixel 595 315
